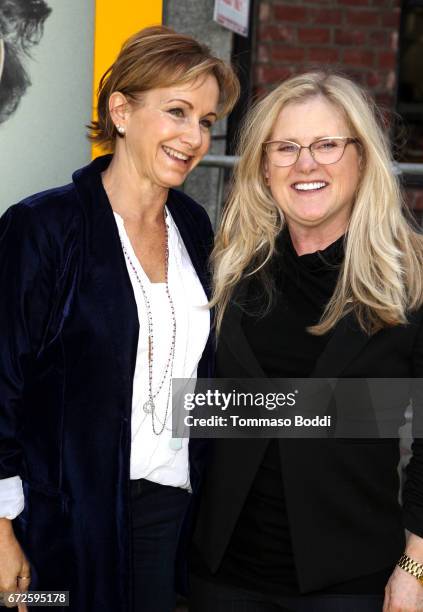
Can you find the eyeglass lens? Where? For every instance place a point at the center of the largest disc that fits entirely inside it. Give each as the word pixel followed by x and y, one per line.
pixel 325 151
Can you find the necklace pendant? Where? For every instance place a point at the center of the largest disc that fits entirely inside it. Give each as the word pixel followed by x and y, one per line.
pixel 148 407
pixel 175 444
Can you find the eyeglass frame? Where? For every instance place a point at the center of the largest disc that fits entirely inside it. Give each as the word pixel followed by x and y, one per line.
pixel 347 140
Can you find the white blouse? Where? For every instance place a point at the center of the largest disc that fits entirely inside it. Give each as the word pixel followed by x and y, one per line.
pixel 154 457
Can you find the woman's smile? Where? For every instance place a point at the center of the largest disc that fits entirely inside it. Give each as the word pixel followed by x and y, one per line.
pixel 177 155
pixel 309 187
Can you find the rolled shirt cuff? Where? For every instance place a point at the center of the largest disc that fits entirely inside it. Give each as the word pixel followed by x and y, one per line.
pixel 11 497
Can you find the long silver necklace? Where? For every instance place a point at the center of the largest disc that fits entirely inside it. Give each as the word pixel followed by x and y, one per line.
pixel 149 406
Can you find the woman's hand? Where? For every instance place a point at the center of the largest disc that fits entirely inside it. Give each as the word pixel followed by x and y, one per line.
pixel 404 593
pixel 13 563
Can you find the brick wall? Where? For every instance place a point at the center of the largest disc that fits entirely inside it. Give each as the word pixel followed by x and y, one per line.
pixel 358 37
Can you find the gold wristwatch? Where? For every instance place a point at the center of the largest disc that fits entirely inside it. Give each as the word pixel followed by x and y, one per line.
pixel 412 567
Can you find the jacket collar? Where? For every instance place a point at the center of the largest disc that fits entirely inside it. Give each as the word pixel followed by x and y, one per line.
pixel 89 186
pixel 345 344
pixel 95 202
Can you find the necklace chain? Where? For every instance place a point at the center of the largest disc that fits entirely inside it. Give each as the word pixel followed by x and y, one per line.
pixel 149 406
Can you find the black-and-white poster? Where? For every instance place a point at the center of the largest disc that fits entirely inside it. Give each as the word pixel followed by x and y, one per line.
pixel 46 73
pixel 21 27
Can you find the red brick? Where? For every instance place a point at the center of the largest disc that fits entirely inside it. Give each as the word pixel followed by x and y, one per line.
pixel 386 4
pixel 298 14
pixel 362 17
pixel 276 33
pixel 379 38
pixel 373 79
pixel 294 54
pixel 323 55
pixel 394 40
pixel 384 101
pixel 415 198
pixel 350 37
pixel 314 35
pixel 358 57
pixel 391 81
pixel 387 59
pixel 300 68
pixel 358 76
pixel 354 2
pixel 326 16
pixel 259 92
pixel 263 54
pixel 264 11
pixel 392 19
pixel 272 74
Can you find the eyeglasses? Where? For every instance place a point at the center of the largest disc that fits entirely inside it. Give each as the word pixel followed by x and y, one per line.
pixel 324 151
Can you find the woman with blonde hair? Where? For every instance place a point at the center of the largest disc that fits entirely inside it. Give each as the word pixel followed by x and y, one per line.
pixel 317 273
pixel 104 287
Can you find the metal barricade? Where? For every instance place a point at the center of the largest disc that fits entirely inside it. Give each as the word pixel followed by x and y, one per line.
pixel 407 171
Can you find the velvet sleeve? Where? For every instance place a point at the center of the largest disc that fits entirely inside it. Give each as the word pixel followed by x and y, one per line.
pixel 413 487
pixel 27 280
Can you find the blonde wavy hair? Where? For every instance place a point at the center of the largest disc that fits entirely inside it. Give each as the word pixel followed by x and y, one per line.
pixel 381 277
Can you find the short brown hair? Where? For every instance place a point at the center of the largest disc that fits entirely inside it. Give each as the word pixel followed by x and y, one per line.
pixel 158 57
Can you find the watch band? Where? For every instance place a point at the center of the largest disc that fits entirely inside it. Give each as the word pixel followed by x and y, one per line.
pixel 412 567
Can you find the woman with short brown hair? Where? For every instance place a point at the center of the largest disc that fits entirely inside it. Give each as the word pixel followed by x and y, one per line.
pixel 104 290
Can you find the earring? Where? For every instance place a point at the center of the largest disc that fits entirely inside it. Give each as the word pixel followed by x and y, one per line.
pixel 120 129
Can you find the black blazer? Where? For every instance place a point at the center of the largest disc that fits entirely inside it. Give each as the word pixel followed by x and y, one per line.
pixel 341 494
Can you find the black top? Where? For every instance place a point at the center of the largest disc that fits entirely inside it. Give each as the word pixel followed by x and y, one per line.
pixel 259 555
pixel 345 517
pixel 303 286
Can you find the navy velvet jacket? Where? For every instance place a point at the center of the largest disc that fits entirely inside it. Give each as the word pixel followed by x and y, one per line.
pixel 69 332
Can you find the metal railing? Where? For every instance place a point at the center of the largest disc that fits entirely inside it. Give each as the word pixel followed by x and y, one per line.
pixel 229 161
pixel 406 171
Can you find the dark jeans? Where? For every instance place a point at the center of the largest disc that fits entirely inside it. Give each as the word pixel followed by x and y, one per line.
pixel 157 513
pixel 212 597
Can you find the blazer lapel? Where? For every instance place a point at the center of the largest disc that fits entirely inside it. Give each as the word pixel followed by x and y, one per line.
pixel 110 282
pixel 347 341
pixel 196 243
pixel 233 335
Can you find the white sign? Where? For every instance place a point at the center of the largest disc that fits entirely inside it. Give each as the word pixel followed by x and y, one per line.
pixel 233 14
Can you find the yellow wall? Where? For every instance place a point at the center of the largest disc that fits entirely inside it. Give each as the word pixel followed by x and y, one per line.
pixel 114 23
